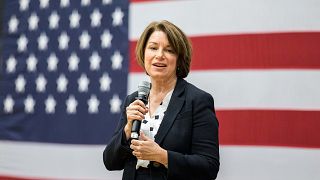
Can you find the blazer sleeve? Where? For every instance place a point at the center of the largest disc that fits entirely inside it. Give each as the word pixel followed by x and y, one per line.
pixel 118 151
pixel 203 160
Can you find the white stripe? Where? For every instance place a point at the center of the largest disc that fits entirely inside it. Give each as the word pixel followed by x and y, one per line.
pixel 255 89
pixel 57 161
pixel 53 161
pixel 203 17
pixel 265 163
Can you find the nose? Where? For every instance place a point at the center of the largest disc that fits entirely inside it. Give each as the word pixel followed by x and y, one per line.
pixel 159 54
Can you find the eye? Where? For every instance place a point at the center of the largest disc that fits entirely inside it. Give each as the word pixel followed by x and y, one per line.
pixel 152 47
pixel 170 51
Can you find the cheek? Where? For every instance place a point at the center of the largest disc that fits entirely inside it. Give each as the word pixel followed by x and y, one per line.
pixel 147 56
pixel 173 62
pixel 147 62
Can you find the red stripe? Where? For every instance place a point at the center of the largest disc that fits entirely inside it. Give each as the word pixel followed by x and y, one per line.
pixel 33 178
pixel 20 178
pixel 270 128
pixel 247 51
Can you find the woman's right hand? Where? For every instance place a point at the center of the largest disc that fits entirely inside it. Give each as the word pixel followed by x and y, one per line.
pixel 135 111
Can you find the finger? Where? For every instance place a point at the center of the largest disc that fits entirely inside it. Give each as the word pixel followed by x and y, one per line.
pixel 135 113
pixel 140 108
pixel 135 142
pixel 139 102
pixel 143 137
pixel 137 154
pixel 135 117
pixel 134 108
pixel 133 147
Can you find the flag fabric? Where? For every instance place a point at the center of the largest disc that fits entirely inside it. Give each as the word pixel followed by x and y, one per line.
pixel 63 79
pixel 259 59
pixel 62 64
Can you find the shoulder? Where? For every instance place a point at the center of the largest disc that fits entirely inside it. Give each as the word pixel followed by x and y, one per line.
pixel 130 98
pixel 197 96
pixel 194 91
pixel 132 95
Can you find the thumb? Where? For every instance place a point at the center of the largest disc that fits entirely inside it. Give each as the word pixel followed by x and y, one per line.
pixel 143 137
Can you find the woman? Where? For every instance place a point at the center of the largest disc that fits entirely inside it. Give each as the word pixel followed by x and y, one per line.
pixel 179 129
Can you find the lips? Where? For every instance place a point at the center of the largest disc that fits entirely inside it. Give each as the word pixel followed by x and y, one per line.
pixel 159 65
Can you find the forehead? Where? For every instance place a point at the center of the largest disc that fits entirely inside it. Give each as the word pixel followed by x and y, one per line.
pixel 158 36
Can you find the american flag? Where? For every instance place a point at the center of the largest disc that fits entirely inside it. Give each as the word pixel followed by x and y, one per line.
pixel 259 59
pixel 65 70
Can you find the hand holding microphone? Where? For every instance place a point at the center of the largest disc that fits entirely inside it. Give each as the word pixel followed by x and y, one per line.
pixel 136 111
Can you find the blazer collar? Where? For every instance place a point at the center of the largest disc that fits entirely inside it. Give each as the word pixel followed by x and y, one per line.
pixel 174 107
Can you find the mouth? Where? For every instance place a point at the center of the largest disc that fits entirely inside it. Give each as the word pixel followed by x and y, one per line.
pixel 159 65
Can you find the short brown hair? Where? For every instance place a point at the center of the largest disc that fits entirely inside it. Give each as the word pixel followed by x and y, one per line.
pixel 178 41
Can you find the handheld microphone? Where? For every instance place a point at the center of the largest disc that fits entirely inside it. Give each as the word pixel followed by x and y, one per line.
pixel 143 93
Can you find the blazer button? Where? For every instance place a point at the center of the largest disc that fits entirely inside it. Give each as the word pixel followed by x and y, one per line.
pixel 156 164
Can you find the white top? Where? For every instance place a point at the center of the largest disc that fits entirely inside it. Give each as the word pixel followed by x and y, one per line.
pixel 151 124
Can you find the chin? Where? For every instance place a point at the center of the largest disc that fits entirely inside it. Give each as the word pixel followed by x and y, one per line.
pixel 157 76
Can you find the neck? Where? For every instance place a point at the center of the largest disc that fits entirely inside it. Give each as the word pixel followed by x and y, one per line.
pixel 162 86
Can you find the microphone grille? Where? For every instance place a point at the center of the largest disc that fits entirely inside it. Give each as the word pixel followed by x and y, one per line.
pixel 144 88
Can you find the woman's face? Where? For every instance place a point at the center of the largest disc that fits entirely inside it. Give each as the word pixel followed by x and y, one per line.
pixel 160 60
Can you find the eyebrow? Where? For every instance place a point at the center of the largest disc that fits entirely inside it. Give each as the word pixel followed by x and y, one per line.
pixel 151 42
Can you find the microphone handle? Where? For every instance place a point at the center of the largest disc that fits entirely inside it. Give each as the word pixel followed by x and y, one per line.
pixel 136 124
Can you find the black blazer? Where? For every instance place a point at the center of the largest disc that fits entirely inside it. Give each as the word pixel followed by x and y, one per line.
pixel 189 132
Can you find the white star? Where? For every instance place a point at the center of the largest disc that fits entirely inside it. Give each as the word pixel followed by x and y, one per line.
pixel 41 83
pixel 104 2
pixel 117 16
pixel 22 43
pixel 62 83
pixel 105 82
pixel 32 63
pixel 64 3
pixel 74 19
pixel 106 38
pixel 11 64
pixel 63 41
pixel 43 41
pixel 8 104
pixel 116 60
pixel 24 5
pixel 115 104
pixel 95 60
pixel 84 40
pixel 52 62
pixel 13 24
pixel 73 62
pixel 33 22
pixel 83 83
pixel 20 84
pixel 50 104
pixel 95 18
pixel 29 104
pixel 54 20
pixel 85 2
pixel 44 4
pixel 71 105
pixel 93 104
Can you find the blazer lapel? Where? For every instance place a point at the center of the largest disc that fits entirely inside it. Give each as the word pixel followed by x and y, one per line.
pixel 174 107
